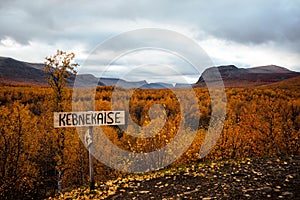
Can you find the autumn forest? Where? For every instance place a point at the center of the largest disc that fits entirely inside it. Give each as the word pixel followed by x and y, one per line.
pixel 259 122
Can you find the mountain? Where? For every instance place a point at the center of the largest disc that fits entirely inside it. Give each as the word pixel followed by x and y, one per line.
pixel 156 86
pixel 17 72
pixel 269 69
pixel 85 81
pixel 183 85
pixel 233 76
pixel 121 83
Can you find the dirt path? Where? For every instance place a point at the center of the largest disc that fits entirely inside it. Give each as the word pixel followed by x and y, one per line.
pixel 257 178
pixel 261 178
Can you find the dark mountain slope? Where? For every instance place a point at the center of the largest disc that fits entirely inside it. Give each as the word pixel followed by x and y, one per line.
pixel 17 72
pixel 240 77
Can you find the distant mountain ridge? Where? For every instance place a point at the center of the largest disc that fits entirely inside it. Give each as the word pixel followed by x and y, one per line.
pixel 269 69
pixel 17 72
pixel 233 76
pixel 122 83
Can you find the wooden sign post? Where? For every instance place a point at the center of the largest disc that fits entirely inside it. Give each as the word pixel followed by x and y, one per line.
pixel 91 158
pixel 90 119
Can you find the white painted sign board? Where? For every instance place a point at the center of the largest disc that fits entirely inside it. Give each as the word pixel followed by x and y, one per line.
pixel 88 118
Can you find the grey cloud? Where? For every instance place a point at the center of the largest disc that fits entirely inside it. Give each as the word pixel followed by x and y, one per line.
pixel 247 22
pixel 260 22
pixel 252 21
pixel 242 21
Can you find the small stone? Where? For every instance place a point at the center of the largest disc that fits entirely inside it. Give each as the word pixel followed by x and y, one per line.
pixel 144 191
pixel 267 189
pixel 187 193
pixel 248 190
pixel 287 194
pixel 289 176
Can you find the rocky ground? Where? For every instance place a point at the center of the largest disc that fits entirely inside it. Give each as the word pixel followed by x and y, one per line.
pixel 255 178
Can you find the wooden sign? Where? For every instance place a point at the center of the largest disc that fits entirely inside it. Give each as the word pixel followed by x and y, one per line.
pixel 89 118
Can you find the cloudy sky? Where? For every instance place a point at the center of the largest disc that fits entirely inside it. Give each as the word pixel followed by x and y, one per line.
pixel 244 33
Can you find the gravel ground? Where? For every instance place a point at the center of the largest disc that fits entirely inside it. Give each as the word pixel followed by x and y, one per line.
pixel 257 178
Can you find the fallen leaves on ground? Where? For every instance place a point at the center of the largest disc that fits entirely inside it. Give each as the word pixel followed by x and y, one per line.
pixel 255 178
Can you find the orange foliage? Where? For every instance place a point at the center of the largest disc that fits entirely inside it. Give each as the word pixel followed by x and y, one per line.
pixel 259 122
